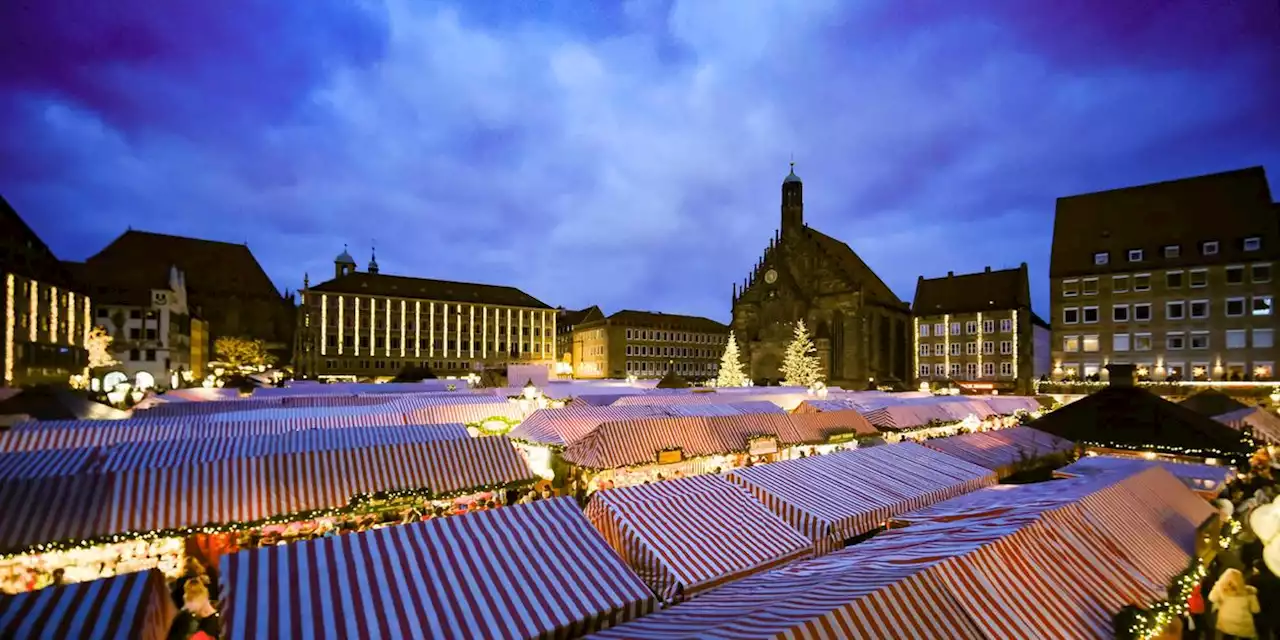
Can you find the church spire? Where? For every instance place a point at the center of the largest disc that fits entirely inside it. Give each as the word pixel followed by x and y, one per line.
pixel 792 201
pixel 373 259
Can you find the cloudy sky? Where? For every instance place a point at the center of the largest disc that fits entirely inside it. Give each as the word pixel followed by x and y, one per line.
pixel 626 154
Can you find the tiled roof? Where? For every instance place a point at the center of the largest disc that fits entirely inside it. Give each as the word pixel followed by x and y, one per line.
pixel 139 259
pixel 22 252
pixel 853 267
pixel 657 320
pixel 1227 207
pixel 971 292
pixel 567 318
pixel 379 284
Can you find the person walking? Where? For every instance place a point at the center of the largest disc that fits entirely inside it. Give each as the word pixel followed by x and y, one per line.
pixel 198 614
pixel 1235 602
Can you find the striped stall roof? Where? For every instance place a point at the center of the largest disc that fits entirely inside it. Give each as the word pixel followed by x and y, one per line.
pixel 536 570
pixel 1002 450
pixel 835 497
pixel 130 606
pixel 829 404
pixel 45 463
pixel 815 428
pixel 1009 405
pixel 905 417
pixel 465 413
pixel 1203 478
pixel 1021 572
pixel 637 441
pixel 40 510
pixel 960 408
pixel 1265 425
pixel 727 409
pixel 560 427
pixel 688 535
pixel 787 400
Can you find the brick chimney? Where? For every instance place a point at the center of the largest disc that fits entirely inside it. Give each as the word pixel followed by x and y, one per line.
pixel 1122 375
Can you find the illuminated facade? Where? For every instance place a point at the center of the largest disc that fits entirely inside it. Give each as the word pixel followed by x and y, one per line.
pixel 365 324
pixel 45 309
pixel 646 344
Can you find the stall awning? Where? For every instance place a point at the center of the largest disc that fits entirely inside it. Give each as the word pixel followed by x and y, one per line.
pixel 1203 478
pixel 637 441
pixel 1264 424
pixel 131 605
pixel 528 571
pixel 560 427
pixel 685 536
pixel 1001 450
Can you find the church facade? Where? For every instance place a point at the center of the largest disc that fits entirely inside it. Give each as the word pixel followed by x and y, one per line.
pixel 861 330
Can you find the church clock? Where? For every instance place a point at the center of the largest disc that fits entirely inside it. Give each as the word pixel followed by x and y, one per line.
pixel 770 276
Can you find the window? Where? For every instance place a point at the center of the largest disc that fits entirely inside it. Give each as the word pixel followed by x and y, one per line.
pixel 1199 309
pixel 1006 347
pixel 1175 341
pixel 134 355
pixel 1120 313
pixel 924 371
pixel 1173 279
pixel 955 370
pixel 1119 284
pixel 1089 343
pixel 971 327
pixel 971 348
pixel 972 370
pixel 1237 339
pixel 1262 370
pixel 1263 338
pixel 989 369
pixel 151 355
pixel 940 370
pixel 1172 251
pixel 1199 278
pixel 1142 312
pixel 939 349
pixel 1090 315
pixel 924 350
pixel 1101 257
pixel 955 348
pixel 1142 282
pixel 1135 255
pixel 135 333
pixel 1070 288
pixel 102 313
pixel 955 328
pixel 1006 325
pixel 1209 248
pixel 1120 342
pixel 629 334
pixel 1235 307
pixel 1070 315
pixel 1199 339
pixel 1006 368
pixel 1252 244
pixel 1262 305
pixel 988 347
pixel 1141 342
pixel 1071 344
pixel 1261 273
pixel 135 314
pixel 1175 310
pixel 939 329
pixel 1235 275
pixel 924 331
pixel 1090 286
pixel 988 326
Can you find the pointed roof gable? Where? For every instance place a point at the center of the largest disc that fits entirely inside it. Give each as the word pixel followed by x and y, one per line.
pixel 212 268
pixel 852 267
pixel 986 290
pixel 25 254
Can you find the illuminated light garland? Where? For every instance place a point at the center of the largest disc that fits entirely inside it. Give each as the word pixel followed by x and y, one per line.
pixel 1139 624
pixel 33 309
pixel 340 328
pixel 324 322
pixel 88 322
pixel 1172 450
pixel 10 326
pixel 53 315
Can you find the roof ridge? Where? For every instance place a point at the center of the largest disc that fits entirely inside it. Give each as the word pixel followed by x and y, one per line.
pixel 1163 183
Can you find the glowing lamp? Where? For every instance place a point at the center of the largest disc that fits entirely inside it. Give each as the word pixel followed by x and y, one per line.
pixel 1197 372
pixel 1265 522
pixel 1142 371
pixel 530 392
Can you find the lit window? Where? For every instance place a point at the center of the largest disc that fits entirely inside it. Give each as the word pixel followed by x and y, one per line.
pixel 989 369
pixel 1262 305
pixel 1141 342
pixel 1101 257
pixel 939 329
pixel 1120 342
pixel 1252 244
pixel 1071 344
pixel 955 328
pixel 924 331
pixel 1237 339
pixel 1262 370
pixel 1006 325
pixel 1135 255
pixel 1006 368
pixel 1090 343
pixel 924 371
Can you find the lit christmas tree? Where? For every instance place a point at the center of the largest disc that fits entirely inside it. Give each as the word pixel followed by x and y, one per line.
pixel 800 366
pixel 731 374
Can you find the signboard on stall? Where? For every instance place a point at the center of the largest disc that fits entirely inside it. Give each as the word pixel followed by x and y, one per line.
pixel 841 438
pixel 762 446
pixel 671 456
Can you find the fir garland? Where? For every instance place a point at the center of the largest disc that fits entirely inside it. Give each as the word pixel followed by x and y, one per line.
pixel 1134 623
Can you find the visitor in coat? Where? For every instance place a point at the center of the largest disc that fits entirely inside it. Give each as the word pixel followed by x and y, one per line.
pixel 1235 603
pixel 1268 586
pixel 1197 621
pixel 197 615
pixel 194 569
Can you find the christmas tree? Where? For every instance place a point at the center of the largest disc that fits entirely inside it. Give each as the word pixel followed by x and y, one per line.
pixel 731 374
pixel 800 366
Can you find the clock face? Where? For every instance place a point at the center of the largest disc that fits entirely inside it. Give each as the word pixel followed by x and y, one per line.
pixel 770 276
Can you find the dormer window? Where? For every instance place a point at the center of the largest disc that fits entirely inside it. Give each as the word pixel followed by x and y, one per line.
pixel 1172 251
pixel 1101 257
pixel 1209 248
pixel 1135 255
pixel 1252 244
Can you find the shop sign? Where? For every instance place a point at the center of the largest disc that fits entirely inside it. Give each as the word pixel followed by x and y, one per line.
pixel 841 438
pixel 977 386
pixel 762 446
pixel 671 456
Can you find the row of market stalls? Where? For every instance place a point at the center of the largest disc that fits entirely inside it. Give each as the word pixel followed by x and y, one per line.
pixel 133 605
pixel 1005 451
pixel 1049 560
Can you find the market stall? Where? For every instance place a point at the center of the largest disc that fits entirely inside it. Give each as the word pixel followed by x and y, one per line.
pixel 1205 479
pixel 685 536
pixel 1264 425
pixel 133 605
pixel 1005 451
pixel 548 574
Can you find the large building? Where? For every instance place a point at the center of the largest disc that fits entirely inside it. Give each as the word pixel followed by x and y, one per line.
pixel 366 324
pixel 1175 277
pixel 226 287
pixel 862 331
pixel 46 313
pixel 566 321
pixel 978 332
pixel 646 344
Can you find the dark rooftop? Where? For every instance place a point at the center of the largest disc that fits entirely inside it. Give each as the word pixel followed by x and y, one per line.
pixel 23 253
pixel 972 292
pixel 379 284
pixel 654 319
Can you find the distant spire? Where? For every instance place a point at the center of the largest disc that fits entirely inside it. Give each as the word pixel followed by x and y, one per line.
pixel 373 259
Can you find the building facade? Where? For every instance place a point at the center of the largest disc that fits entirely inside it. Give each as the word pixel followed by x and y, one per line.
pixel 46 312
pixel 1177 278
pixel 647 344
pixel 365 324
pixel 978 332
pixel 861 330
pixel 566 321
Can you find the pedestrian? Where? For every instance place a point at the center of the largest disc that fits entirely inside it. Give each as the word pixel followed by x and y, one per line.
pixel 59 577
pixel 546 493
pixel 1197 622
pixel 1268 586
pixel 1235 602
pixel 198 614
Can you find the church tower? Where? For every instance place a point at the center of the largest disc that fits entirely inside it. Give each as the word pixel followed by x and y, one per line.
pixel 343 264
pixel 792 203
pixel 373 262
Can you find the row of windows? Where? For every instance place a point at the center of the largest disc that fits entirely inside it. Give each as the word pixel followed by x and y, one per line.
pixel 1200 371
pixel 970 327
pixel 672 352
pixel 134 314
pixel 1176 279
pixel 1257 306
pixel 450 345
pixel 1170 251
pixel 465 327
pixel 970 348
pixel 675 336
pixel 971 369
pixel 644 368
pixel 436 365
pixel 1173 341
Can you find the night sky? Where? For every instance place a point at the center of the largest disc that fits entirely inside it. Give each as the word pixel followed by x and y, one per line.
pixel 627 155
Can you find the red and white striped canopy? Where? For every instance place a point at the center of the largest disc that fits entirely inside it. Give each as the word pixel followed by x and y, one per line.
pixel 130 605
pixel 688 535
pixel 536 570
pixel 905 417
pixel 842 495
pixel 1001 450
pixel 1264 424
pixel 560 427
pixel 787 400
pixel 817 428
pixel 637 441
